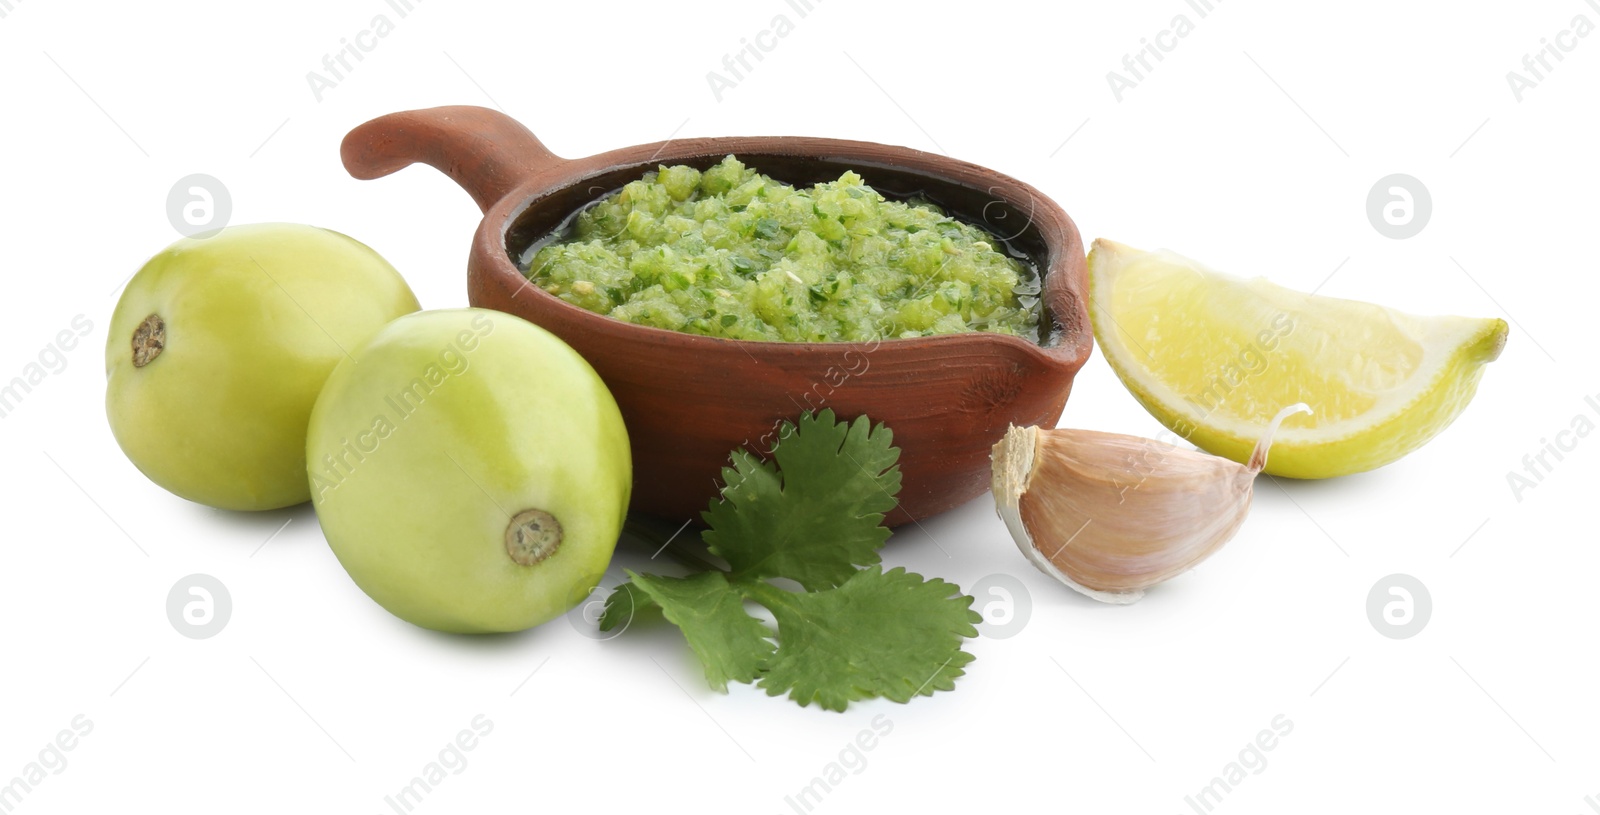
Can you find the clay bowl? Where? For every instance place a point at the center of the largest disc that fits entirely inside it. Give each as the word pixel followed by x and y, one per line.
pixel 688 400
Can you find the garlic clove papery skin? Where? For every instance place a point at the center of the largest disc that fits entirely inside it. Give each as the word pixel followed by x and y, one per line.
pixel 1013 460
pixel 1110 515
pixel 1119 513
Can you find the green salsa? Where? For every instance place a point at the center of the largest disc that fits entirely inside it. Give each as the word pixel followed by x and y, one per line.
pixel 732 253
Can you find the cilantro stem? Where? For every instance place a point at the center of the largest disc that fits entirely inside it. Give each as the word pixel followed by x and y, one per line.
pixel 699 564
pixel 661 539
pixel 763 592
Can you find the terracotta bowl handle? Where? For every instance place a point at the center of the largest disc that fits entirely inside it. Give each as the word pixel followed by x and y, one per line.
pixel 487 152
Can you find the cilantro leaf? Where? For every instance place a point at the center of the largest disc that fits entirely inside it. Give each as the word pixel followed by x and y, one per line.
pixel 627 605
pixel 731 644
pixel 890 634
pixel 813 514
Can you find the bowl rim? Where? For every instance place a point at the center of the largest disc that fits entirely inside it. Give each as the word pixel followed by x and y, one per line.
pixel 1071 339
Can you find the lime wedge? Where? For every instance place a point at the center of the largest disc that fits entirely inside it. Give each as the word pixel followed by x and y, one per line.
pixel 1215 357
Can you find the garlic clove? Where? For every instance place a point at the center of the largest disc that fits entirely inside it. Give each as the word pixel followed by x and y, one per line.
pixel 1111 515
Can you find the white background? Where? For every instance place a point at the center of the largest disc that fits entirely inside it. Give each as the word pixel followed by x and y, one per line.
pixel 1252 146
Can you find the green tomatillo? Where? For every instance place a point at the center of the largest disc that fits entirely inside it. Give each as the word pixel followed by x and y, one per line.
pixel 470 471
pixel 218 348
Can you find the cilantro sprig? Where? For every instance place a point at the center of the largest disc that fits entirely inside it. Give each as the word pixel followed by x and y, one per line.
pixel 812 514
